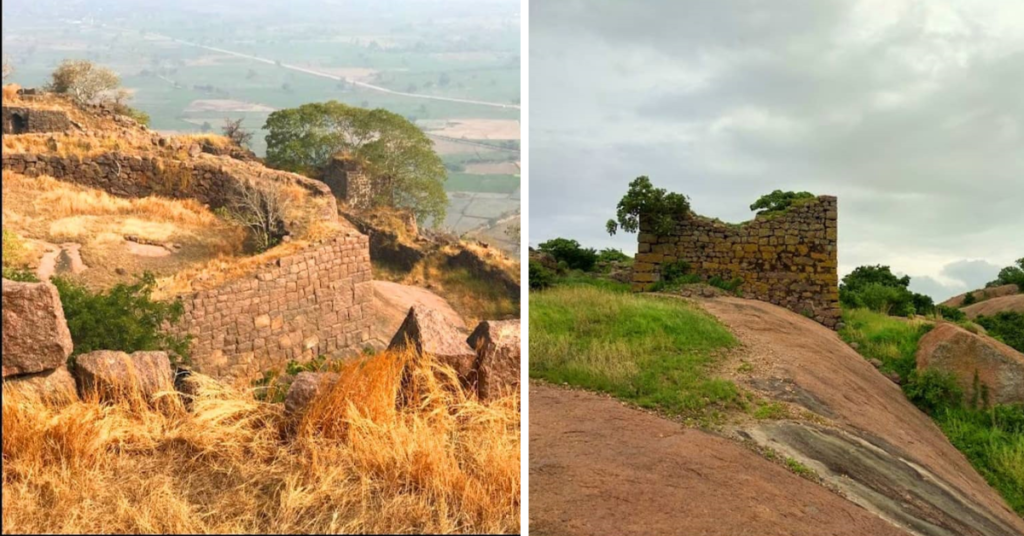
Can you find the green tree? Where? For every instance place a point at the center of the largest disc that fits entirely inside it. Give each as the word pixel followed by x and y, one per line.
pixel 83 80
pixel 1011 275
pixel 656 206
pixel 571 253
pixel 395 153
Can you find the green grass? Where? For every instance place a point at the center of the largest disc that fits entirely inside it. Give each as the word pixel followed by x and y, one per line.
pixel 654 352
pixel 991 438
pixel 891 340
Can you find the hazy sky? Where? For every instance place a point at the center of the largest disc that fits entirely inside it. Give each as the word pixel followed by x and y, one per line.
pixel 910 111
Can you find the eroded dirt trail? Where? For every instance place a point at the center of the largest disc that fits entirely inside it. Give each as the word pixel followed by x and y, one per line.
pixel 599 467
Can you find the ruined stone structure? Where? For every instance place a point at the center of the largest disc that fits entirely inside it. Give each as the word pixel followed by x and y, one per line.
pixel 312 302
pixel 315 302
pixel 789 260
pixel 346 178
pixel 18 120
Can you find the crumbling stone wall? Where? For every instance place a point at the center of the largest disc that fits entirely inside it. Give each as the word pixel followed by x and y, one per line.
pixel 350 183
pixel 19 120
pixel 315 302
pixel 206 178
pixel 789 260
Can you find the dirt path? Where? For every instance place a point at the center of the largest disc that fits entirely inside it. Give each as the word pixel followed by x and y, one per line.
pixel 599 467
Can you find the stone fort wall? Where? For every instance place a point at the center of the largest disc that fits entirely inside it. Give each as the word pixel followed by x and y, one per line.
pixel 20 120
pixel 350 183
pixel 315 301
pixel 790 260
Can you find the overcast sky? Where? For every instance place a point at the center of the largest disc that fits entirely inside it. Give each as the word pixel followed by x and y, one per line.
pixel 910 111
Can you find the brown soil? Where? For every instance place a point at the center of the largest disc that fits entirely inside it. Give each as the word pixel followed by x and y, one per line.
pixel 1014 303
pixel 599 467
pixel 883 453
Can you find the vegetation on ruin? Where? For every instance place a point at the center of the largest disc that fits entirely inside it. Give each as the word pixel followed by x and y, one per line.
pixel 355 463
pixel 657 207
pixel 124 318
pixel 778 202
pixel 992 437
pixel 395 152
pixel 654 352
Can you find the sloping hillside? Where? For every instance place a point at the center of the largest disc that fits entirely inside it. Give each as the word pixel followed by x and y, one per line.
pixel 1011 303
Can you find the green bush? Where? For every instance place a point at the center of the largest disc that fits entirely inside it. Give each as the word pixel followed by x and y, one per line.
pixel 571 253
pixel 778 201
pixel 124 318
pixel 951 313
pixel 1011 275
pixel 1007 326
pixel 612 255
pixel 540 276
pixel 731 285
pixel 933 391
pixel 970 299
pixel 658 208
pixel 878 289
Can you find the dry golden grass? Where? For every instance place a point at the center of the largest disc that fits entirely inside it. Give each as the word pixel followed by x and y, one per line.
pixel 355 463
pixel 65 145
pixel 11 93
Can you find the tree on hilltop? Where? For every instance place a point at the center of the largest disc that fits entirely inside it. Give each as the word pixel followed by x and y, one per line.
pixel 394 152
pixel 86 82
pixel 656 205
pixel 233 131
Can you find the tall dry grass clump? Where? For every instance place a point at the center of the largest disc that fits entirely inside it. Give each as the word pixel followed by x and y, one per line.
pixel 356 462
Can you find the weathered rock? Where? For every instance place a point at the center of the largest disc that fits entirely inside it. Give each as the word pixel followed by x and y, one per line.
pixel 430 333
pixel 35 334
pixel 994 306
pixel 391 303
pixel 55 387
pixel 498 348
pixel 967 356
pixel 116 373
pixel 306 387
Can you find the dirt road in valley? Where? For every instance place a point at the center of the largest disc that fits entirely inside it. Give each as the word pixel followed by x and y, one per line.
pixel 599 467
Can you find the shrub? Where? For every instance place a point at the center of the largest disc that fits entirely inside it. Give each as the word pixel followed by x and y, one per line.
pixel 923 305
pixel 261 209
pixel 778 201
pixel 233 131
pixel 933 391
pixel 878 289
pixel 83 80
pixel 731 285
pixel 571 253
pixel 540 277
pixel 951 313
pixel 656 206
pixel 1011 275
pixel 124 318
pixel 970 299
pixel 674 271
pixel 1007 326
pixel 612 255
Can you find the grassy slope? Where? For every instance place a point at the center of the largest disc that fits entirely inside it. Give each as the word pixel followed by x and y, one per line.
pixel 993 443
pixel 654 352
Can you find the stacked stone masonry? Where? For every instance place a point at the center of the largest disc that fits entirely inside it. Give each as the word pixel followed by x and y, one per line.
pixel 313 302
pixel 17 120
pixel 206 178
pixel 316 302
pixel 351 184
pixel 789 260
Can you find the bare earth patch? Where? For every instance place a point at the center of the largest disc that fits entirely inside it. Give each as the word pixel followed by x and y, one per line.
pixel 225 105
pixel 478 129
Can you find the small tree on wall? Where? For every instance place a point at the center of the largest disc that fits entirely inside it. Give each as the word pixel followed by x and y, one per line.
pixel 778 201
pixel 84 81
pixel 658 207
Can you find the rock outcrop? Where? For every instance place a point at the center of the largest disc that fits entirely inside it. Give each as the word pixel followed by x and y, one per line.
pixel 35 334
pixel 54 387
pixel 498 348
pixel 306 387
pixel 428 332
pixel 391 304
pixel 993 306
pixel 996 366
pixel 115 374
pixel 983 294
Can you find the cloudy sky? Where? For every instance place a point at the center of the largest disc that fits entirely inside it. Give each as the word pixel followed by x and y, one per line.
pixel 910 111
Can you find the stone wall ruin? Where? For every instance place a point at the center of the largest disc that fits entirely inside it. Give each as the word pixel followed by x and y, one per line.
pixel 790 259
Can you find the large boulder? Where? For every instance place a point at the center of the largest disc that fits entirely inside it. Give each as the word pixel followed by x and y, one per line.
pixel 306 387
pixel 391 305
pixel 991 307
pixel 430 333
pixel 950 348
pixel 498 348
pixel 983 294
pixel 113 374
pixel 55 387
pixel 35 334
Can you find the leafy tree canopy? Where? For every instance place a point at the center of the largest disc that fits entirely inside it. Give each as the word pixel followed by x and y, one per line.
pixel 571 253
pixel 655 205
pixel 1011 275
pixel 394 152
pixel 778 201
pixel 865 275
